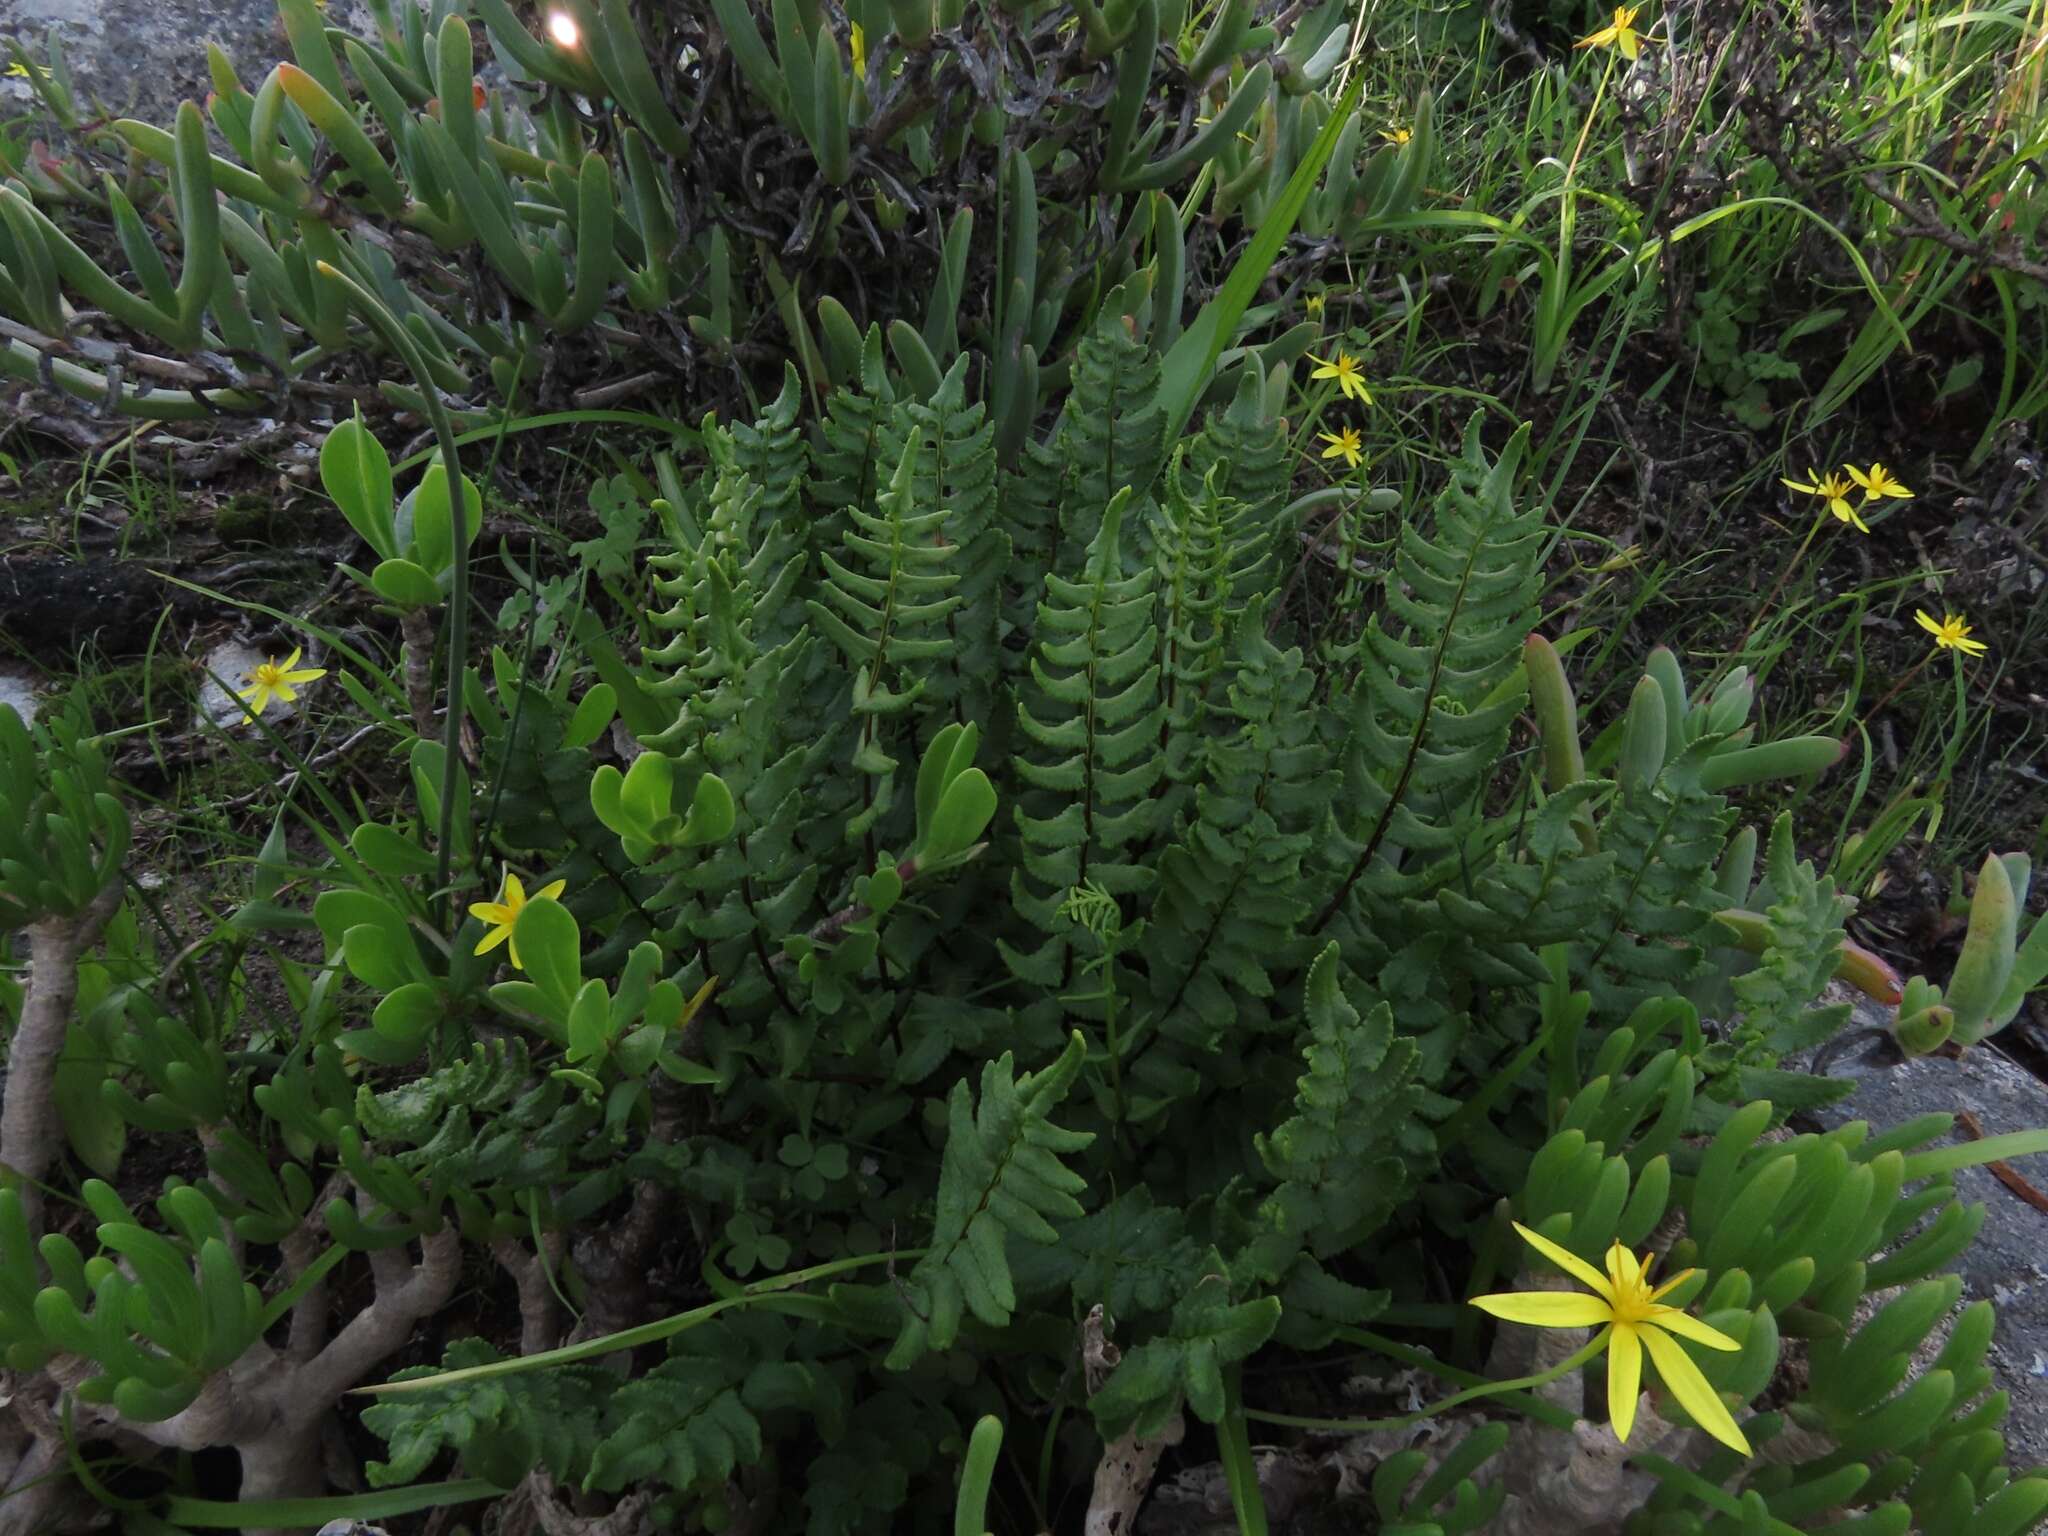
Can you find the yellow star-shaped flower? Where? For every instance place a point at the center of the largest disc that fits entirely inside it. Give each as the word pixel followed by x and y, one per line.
pixel 277 680
pixel 1396 135
pixel 1343 445
pixel 1832 489
pixel 1951 634
pixel 1878 482
pixel 1628 1307
pixel 1349 376
pixel 504 912
pixel 1621 34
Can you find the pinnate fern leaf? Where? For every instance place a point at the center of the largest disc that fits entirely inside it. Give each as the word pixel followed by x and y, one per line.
pixel 1428 726
pixel 1001 1176
pixel 1091 755
pixel 1210 1331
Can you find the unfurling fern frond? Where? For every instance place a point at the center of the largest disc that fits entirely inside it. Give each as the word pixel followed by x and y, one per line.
pixel 1001 1174
pixel 1090 748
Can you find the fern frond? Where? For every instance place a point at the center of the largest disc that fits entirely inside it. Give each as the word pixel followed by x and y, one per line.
pixel 1339 1164
pixel 1111 435
pixel 1206 559
pixel 1090 750
pixel 1427 731
pixel 1776 1016
pixel 886 606
pixel 1001 1175
pixel 1665 837
pixel 1210 1331
pixel 1133 1256
pixel 1230 900
pixel 1241 456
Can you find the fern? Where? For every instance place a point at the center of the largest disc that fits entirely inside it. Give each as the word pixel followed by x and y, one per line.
pixel 1665 838
pixel 1209 1332
pixel 770 454
pixel 1340 1165
pixel 1205 561
pixel 1230 891
pixel 484 1082
pixel 679 1425
pixel 1241 456
pixel 1805 914
pixel 1111 436
pixel 954 469
pixel 885 607
pixel 1001 1175
pixel 497 1424
pixel 1091 739
pixel 1132 1256
pixel 1427 727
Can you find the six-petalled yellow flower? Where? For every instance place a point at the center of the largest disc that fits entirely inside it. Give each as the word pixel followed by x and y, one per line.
pixel 1349 376
pixel 1877 483
pixel 1396 136
pixel 277 680
pixel 1343 445
pixel 1629 1308
pixel 1951 634
pixel 504 912
pixel 1621 34
pixel 1834 490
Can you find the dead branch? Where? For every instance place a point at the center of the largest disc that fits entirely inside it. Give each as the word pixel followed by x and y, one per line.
pixel 31 1133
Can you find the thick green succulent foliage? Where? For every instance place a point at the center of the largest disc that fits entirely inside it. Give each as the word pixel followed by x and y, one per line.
pixel 696 191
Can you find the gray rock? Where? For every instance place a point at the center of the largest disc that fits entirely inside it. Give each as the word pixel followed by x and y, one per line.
pixel 140 58
pixel 2008 1263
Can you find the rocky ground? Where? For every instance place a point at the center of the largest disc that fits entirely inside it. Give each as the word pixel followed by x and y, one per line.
pixel 2008 1263
pixel 140 58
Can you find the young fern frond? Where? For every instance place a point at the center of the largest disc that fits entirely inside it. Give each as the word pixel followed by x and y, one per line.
pixel 1207 550
pixel 1241 455
pixel 771 455
pixel 1805 914
pixel 1339 1165
pixel 1665 837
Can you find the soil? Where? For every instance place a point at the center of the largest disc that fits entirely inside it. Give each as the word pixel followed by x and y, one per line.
pixel 52 607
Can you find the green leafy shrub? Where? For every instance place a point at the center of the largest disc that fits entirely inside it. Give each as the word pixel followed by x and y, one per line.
pixel 1007 917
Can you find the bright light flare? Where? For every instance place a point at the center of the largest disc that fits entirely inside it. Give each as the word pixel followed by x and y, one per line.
pixel 563 29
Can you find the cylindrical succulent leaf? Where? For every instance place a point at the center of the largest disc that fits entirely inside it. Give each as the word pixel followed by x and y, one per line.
pixel 1989 949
